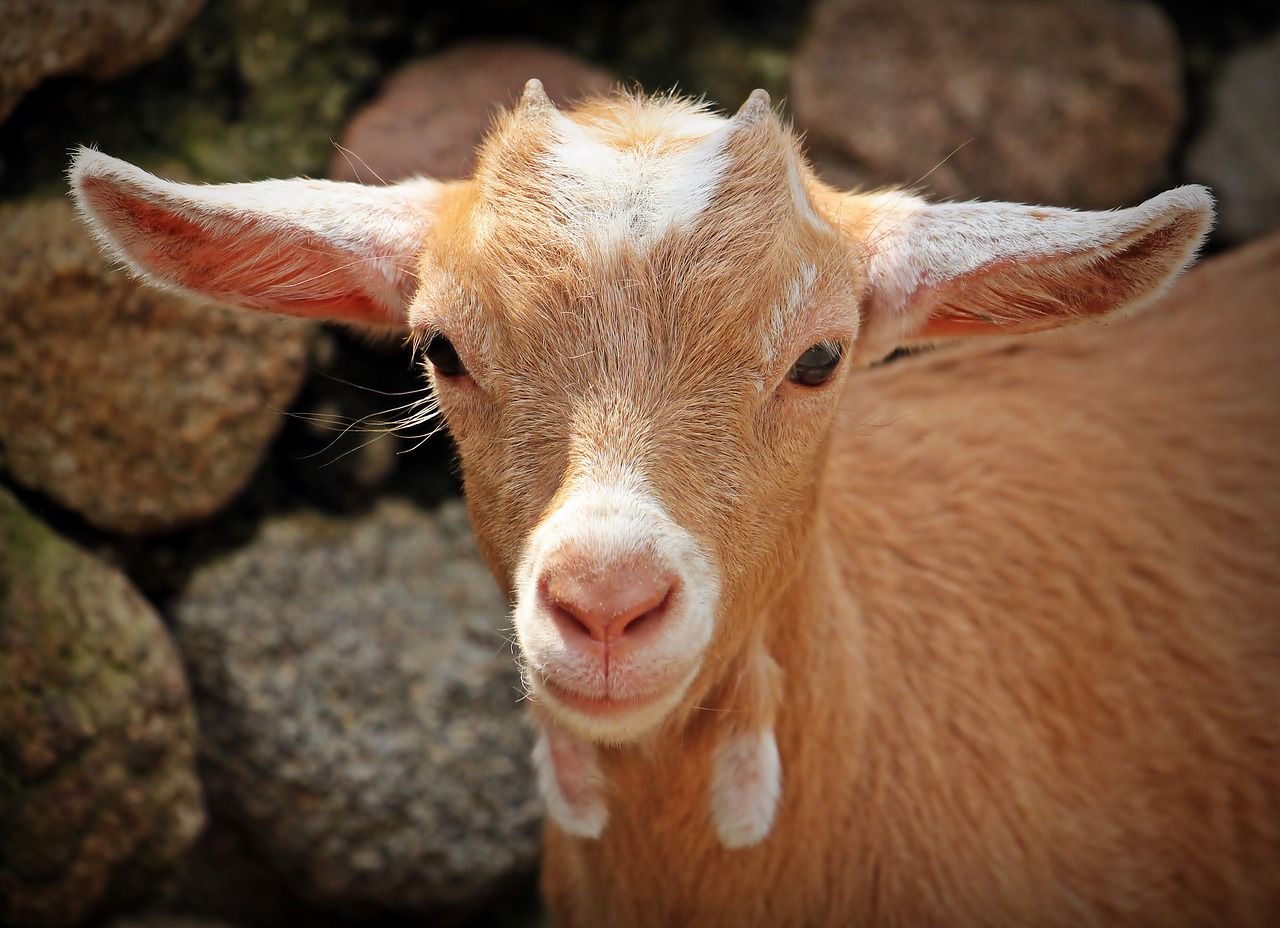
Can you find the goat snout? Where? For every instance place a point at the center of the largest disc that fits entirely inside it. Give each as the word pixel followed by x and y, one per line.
pixel 615 607
pixel 604 602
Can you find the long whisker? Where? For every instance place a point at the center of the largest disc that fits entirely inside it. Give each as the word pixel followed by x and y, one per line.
pixel 351 157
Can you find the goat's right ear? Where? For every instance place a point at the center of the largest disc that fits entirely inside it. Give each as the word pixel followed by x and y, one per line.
pixel 303 247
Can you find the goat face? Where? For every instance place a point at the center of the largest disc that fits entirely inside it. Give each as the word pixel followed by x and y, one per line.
pixel 611 329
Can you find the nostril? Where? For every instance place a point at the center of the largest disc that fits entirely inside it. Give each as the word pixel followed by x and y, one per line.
pixel 606 604
pixel 562 610
pixel 634 623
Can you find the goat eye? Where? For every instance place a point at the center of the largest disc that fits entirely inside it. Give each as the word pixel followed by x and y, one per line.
pixel 816 365
pixel 444 357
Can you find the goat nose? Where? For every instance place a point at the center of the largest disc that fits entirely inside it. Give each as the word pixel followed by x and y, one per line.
pixel 605 603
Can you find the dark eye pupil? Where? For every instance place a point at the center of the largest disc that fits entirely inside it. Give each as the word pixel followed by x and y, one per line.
pixel 443 357
pixel 816 365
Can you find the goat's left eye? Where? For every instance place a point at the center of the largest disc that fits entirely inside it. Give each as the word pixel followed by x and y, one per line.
pixel 815 366
pixel 444 357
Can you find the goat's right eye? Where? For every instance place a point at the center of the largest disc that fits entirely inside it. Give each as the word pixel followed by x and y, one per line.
pixel 444 357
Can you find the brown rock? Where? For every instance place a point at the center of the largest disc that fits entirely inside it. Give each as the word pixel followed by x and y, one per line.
pixel 432 114
pixel 1238 151
pixel 41 38
pixel 1075 103
pixel 98 788
pixel 139 409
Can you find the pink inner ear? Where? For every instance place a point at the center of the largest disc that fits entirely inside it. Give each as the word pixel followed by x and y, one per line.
pixel 955 326
pixel 1020 297
pixel 242 260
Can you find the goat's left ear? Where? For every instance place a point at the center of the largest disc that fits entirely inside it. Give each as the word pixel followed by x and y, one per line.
pixel 940 271
pixel 302 247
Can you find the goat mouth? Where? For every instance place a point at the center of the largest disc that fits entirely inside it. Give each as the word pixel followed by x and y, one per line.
pixel 607 719
pixel 610 719
pixel 593 705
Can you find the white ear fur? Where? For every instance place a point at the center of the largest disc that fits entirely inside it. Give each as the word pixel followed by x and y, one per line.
pixel 951 269
pixel 304 247
pixel 570 781
pixel 746 785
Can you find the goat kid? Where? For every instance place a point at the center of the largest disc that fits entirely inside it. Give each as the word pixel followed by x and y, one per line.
pixel 987 637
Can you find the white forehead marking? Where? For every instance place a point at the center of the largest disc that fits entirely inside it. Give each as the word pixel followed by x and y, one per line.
pixel 609 197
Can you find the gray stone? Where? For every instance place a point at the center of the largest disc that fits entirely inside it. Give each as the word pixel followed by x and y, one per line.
pixel 139 409
pixel 41 38
pixel 359 706
pixel 431 115
pixel 98 788
pixel 1076 103
pixel 1238 151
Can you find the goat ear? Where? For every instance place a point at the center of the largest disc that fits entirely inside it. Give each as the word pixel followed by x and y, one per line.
pixel 303 247
pixel 940 271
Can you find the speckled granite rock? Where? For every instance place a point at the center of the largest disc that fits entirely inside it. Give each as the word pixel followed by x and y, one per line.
pixel 432 114
pixel 1075 103
pixel 1238 151
pixel 41 38
pixel 359 710
pixel 141 410
pixel 98 789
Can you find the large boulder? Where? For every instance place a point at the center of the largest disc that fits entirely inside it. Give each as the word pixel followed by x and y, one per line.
pixel 1238 151
pixel 1077 103
pixel 98 788
pixel 41 38
pixel 139 409
pixel 430 115
pixel 359 710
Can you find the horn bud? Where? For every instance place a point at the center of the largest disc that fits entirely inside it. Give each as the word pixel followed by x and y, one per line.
pixel 534 99
pixel 757 107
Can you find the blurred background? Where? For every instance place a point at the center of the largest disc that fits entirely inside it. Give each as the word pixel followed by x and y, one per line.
pixel 252 672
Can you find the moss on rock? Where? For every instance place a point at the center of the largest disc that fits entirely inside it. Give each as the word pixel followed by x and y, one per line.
pixel 255 88
pixel 98 789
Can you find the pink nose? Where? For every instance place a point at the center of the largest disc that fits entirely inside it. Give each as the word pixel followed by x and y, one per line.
pixel 606 602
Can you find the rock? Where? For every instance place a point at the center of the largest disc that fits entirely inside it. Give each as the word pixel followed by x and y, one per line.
pixel 298 69
pixel 254 89
pixel 141 410
pixel 223 879
pixel 165 920
pixel 40 38
pixel 98 788
pixel 1076 103
pixel 431 115
pixel 1238 150
pixel 359 710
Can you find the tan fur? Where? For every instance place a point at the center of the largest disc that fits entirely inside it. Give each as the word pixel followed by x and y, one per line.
pixel 1032 664
pixel 1011 610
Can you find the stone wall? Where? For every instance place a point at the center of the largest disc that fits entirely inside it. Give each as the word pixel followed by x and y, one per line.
pixel 212 523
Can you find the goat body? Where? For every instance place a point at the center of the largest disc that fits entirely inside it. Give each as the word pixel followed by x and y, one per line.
pixel 983 637
pixel 1031 661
